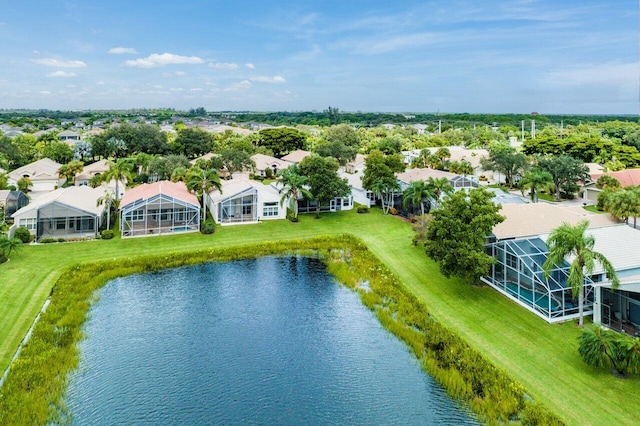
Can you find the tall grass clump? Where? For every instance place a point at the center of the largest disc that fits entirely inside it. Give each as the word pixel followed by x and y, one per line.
pixel 34 388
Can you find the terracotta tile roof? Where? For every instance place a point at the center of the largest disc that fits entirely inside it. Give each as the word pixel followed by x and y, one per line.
pixel 145 191
pixel 628 177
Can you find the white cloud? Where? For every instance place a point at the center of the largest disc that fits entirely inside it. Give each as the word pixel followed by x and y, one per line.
pixel 64 74
pixel 243 85
pixel 250 66
pixel 266 79
pixel 196 89
pixel 159 60
pixel 58 63
pixel 223 66
pixel 45 92
pixel 100 83
pixel 174 74
pixel 122 50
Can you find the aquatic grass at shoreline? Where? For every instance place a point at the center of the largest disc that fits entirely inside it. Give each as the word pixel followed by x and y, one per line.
pixel 34 390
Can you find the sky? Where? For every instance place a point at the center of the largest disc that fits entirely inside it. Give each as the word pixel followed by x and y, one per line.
pixel 482 56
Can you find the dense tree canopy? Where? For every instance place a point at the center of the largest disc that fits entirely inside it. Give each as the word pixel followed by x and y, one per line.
pixel 457 234
pixel 323 180
pixel 566 171
pixel 193 142
pixel 281 141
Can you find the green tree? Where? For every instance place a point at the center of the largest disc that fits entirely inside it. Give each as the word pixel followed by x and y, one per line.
pixel 70 170
pixel 119 171
pixel 281 140
pixel 8 245
pixel 343 134
pixel 323 180
pixel 571 241
pixel 504 159
pixel 602 348
pixel 107 199
pixel 379 176
pixel 292 186
pixel 443 155
pixel 193 142
pixel 201 182
pixel 416 194
pixel 235 160
pixel 4 180
pixel 463 168
pixel 606 181
pixel 24 184
pixel 566 171
pixel 179 174
pixel 163 167
pixel 457 233
pixel 536 181
pixel 623 203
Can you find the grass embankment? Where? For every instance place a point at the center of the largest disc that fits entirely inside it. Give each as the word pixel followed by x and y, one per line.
pixel 542 357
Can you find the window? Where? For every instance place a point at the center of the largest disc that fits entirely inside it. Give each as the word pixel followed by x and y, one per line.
pixel 270 209
pixel 137 215
pixel 246 209
pixel 512 261
pixel 29 223
pixel 179 215
pixel 61 224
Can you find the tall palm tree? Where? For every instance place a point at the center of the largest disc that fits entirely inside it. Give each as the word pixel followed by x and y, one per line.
pixel 106 199
pixel 440 185
pixel 416 193
pixel 535 181
pixel 569 240
pixel 201 182
pixel 120 170
pixel 293 186
pixel 623 204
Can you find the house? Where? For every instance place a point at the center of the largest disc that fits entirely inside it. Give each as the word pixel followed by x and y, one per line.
pixel 69 137
pixel 245 201
pixel 357 163
pixel 518 245
pixel 42 173
pixel 96 169
pixel 158 208
pixel 296 156
pixel 264 162
pixel 71 212
pixel 12 201
pixel 358 193
pixel 627 177
pixel 413 175
pixel 421 128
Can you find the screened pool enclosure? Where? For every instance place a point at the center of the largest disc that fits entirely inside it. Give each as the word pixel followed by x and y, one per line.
pixel 159 214
pixel 518 274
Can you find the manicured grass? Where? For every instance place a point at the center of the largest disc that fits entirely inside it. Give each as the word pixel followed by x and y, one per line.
pixel 593 209
pixel 542 357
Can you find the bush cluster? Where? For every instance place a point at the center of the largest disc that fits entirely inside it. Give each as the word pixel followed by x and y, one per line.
pixel 23 235
pixel 107 234
pixel 208 227
pixel 363 209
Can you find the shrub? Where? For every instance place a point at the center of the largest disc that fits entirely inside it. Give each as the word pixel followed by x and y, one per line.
pixel 3 258
pixel 107 234
pixel 482 178
pixel 61 240
pixel 23 234
pixel 363 209
pixel 48 240
pixel 293 219
pixel 393 211
pixel 208 227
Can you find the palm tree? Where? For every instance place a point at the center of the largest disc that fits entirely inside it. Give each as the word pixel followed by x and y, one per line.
pixel 201 182
pixel 535 181
pixel 7 245
pixel 293 186
pixel 416 193
pixel 385 189
pixel 568 240
pixel 440 185
pixel 623 204
pixel 106 199
pixel 120 170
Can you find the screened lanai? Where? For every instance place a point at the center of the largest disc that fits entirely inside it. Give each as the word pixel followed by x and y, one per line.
pixel 159 208
pixel 56 220
pixel 518 274
pixel 238 208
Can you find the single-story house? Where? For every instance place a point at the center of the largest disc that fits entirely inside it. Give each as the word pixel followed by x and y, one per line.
pixel 627 177
pixel 157 208
pixel 71 212
pixel 519 247
pixel 12 201
pixel 69 137
pixel 245 201
pixel 42 173
pixel 264 162
pixel 356 164
pixel 96 169
pixel 413 175
pixel 296 156
pixel 358 193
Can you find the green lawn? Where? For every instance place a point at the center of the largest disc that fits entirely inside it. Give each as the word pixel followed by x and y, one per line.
pixel 542 357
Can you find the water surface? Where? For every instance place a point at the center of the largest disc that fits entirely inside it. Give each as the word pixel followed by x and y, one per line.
pixel 264 341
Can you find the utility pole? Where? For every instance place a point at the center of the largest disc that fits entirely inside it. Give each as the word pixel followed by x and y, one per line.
pixel 439 126
pixel 533 129
pixel 522 132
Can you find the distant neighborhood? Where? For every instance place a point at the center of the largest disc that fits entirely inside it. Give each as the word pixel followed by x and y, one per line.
pixel 74 179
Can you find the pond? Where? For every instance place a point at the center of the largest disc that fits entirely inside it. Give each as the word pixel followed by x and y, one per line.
pixel 273 340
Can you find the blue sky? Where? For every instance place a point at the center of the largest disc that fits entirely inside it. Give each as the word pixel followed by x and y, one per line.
pixel 509 56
